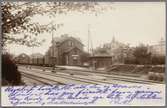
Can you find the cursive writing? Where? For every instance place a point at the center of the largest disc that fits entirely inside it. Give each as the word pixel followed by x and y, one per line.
pixel 80 94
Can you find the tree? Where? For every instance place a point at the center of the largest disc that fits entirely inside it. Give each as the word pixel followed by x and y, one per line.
pixel 158 60
pixel 142 55
pixel 10 74
pixel 16 19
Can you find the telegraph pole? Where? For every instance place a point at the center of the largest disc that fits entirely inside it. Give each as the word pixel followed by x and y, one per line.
pixel 90 46
pixel 90 43
pixel 53 70
pixel 88 36
pixel 52 47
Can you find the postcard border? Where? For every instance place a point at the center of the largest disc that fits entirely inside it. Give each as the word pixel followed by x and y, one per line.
pixel 92 1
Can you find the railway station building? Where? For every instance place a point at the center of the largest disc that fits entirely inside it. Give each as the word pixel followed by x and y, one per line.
pixel 65 50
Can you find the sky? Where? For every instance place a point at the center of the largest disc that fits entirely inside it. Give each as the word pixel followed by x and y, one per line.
pixel 129 22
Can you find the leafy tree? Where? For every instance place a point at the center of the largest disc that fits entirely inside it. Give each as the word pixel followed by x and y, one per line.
pixel 142 55
pixel 16 19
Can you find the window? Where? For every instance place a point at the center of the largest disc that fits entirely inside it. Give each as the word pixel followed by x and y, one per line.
pixel 75 52
pixel 70 43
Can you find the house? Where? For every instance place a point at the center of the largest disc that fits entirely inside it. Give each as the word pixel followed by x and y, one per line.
pixel 117 50
pixel 22 59
pixel 65 50
pixel 100 59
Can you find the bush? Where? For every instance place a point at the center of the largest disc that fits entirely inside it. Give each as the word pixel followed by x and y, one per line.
pixel 158 60
pixel 9 71
pixel 156 76
pixel 160 77
pixel 151 76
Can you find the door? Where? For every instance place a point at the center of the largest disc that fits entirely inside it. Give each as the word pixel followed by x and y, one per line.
pixel 67 59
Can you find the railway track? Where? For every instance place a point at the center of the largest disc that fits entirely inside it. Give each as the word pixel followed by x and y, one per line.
pixel 62 78
pixel 112 77
pixel 120 78
pixel 38 79
pixel 89 81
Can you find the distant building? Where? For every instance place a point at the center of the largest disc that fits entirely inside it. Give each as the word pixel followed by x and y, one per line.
pixel 117 50
pixel 37 59
pixel 65 50
pixel 22 59
pixel 158 49
pixel 101 58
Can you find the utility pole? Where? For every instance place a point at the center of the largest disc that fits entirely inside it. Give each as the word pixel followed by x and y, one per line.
pixel 88 37
pixel 53 64
pixel 52 47
pixel 90 43
pixel 90 46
